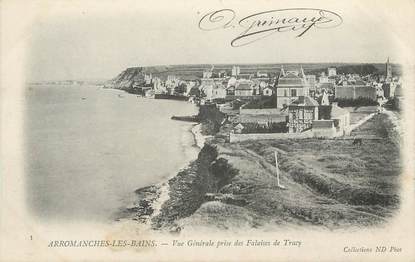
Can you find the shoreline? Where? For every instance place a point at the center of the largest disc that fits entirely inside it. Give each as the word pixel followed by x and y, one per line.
pixel 159 205
pixel 147 201
pixel 150 199
pixel 164 187
pixel 199 138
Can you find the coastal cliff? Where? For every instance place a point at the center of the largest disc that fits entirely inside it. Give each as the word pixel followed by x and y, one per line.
pixel 238 189
pixel 234 185
pixel 128 78
pixel 135 76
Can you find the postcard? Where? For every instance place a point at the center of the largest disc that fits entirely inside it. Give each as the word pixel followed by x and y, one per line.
pixel 207 130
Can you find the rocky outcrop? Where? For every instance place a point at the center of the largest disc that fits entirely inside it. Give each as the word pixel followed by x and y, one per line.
pixel 128 78
pixel 134 76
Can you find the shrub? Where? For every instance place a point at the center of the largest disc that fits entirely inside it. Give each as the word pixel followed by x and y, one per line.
pixel 264 102
pixel 361 101
pixel 270 127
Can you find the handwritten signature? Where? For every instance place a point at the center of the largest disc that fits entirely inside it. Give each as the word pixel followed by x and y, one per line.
pixel 261 25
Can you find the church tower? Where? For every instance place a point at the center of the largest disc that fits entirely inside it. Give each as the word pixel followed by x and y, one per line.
pixel 388 71
pixel 282 72
pixel 302 75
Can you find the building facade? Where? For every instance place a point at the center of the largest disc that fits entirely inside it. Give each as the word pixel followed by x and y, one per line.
pixel 389 89
pixel 244 88
pixel 219 91
pixel 332 71
pixel 311 80
pixel 236 71
pixel 290 86
pixel 341 118
pixel 333 121
pixel 355 90
pixel 301 114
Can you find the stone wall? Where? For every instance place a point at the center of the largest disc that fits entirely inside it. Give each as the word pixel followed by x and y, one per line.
pixel 354 92
pixel 265 111
pixel 344 92
pixel 245 137
pixel 324 132
pixel 365 91
pixel 315 132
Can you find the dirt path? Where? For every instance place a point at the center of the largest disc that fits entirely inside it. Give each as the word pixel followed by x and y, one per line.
pixel 361 122
pixel 397 131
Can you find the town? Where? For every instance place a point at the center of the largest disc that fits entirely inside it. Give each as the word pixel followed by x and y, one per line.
pixel 289 143
pixel 284 102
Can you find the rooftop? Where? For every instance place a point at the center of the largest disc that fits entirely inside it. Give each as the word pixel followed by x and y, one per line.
pixel 244 86
pixel 304 101
pixel 290 81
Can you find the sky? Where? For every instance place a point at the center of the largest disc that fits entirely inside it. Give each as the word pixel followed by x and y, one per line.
pixel 70 40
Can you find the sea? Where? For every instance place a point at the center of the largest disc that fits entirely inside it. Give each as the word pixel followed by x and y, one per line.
pixel 89 148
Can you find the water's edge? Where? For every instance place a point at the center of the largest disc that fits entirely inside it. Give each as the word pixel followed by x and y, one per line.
pixel 151 199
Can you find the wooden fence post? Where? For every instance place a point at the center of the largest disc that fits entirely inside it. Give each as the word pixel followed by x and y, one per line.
pixel 278 170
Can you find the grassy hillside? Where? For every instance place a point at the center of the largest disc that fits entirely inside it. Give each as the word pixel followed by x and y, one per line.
pixel 329 183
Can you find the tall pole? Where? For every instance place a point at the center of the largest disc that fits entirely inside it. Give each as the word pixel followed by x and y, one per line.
pixel 278 171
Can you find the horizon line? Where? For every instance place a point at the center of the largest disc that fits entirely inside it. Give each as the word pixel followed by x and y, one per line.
pixel 262 63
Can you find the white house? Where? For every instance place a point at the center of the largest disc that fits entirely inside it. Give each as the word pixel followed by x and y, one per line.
pixel 337 125
pixel 341 118
pixel 218 91
pixel 291 85
pixel 238 128
pixel 268 91
pixel 332 71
